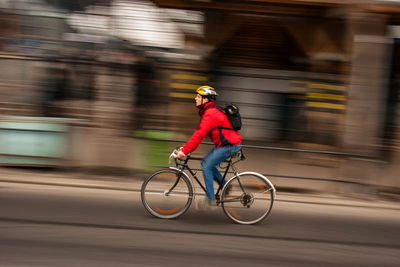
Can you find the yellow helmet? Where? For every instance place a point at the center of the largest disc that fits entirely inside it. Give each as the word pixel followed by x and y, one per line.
pixel 206 91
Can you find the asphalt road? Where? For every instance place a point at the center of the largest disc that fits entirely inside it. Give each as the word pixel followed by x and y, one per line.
pixel 44 225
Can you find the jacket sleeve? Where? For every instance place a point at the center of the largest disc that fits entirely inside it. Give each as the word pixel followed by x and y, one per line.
pixel 206 124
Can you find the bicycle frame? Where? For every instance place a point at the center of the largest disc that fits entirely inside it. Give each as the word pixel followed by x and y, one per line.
pixel 184 166
pixel 244 188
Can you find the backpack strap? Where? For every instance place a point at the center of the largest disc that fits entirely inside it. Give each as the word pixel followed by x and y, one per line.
pixel 224 141
pixel 220 127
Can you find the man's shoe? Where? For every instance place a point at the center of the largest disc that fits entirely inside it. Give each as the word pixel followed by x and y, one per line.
pixel 207 204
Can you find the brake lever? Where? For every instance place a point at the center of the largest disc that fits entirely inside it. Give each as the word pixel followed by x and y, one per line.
pixel 173 155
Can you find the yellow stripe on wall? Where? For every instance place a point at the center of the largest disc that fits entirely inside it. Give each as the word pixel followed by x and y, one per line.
pixel 325 105
pixel 326 96
pixel 189 77
pixel 182 95
pixel 184 86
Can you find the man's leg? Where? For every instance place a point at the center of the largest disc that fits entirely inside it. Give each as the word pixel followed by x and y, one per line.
pixel 231 151
pixel 217 175
pixel 209 163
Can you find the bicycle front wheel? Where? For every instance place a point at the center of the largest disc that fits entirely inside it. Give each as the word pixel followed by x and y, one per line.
pixel 167 193
pixel 248 198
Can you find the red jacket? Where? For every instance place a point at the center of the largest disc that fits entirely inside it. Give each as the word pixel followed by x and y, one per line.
pixel 211 118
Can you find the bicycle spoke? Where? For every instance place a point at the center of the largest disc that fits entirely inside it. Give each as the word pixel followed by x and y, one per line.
pixel 182 194
pixel 262 193
pixel 236 199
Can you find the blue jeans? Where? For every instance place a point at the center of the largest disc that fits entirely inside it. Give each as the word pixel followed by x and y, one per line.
pixel 209 165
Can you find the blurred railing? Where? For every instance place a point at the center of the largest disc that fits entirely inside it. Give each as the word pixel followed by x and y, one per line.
pixel 320 152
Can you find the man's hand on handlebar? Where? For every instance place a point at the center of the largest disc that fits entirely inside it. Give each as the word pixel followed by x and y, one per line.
pixel 177 154
pixel 180 154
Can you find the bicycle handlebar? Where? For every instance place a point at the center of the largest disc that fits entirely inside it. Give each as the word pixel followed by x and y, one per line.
pixel 174 156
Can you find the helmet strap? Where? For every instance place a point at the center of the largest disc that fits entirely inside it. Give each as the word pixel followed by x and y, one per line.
pixel 204 97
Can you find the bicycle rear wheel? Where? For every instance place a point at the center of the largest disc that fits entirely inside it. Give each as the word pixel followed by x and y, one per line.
pixel 167 193
pixel 247 198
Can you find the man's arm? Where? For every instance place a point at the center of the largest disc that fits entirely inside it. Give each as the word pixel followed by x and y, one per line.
pixel 207 123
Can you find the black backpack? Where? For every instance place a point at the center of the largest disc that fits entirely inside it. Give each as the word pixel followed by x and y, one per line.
pixel 233 114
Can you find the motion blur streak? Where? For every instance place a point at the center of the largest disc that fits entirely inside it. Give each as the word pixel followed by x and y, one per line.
pixel 98 91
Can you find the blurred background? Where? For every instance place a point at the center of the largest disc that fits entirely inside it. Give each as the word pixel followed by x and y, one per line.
pixel 108 85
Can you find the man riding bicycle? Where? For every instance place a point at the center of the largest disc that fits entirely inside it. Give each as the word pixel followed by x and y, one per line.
pixel 215 124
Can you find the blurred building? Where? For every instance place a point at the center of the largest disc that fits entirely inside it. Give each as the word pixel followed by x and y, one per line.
pixel 320 74
pixel 324 62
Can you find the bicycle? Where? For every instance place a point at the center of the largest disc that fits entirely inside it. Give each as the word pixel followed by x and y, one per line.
pixel 246 198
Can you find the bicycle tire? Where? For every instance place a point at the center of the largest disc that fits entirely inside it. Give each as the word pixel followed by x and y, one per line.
pixel 161 204
pixel 248 197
